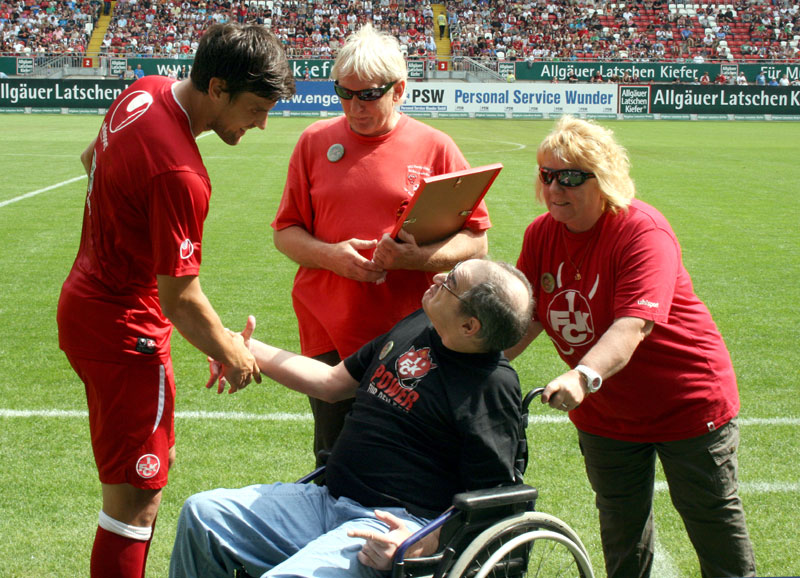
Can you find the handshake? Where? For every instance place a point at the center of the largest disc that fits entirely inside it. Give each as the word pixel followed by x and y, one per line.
pixel 238 374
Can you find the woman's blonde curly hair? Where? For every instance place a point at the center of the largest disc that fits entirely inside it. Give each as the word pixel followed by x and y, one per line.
pixel 590 147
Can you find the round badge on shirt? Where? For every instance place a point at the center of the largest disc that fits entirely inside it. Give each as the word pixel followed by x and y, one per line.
pixel 548 283
pixel 386 349
pixel 336 152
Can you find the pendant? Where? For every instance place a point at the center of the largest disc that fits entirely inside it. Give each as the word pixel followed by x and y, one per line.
pixel 577 276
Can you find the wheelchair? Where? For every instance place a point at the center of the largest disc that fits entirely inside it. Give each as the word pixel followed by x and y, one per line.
pixel 493 533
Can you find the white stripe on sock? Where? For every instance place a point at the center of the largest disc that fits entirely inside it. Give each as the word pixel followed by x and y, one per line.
pixel 126 531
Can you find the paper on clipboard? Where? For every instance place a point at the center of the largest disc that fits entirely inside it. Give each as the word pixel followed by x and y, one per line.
pixel 442 204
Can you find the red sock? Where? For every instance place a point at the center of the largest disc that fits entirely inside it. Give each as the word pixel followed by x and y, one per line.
pixel 150 541
pixel 114 556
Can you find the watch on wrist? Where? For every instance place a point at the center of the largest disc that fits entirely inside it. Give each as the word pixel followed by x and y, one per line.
pixel 593 379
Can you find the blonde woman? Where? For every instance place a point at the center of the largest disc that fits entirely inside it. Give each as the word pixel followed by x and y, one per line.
pixel 651 375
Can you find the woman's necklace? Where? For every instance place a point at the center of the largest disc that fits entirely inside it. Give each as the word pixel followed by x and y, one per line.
pixel 588 246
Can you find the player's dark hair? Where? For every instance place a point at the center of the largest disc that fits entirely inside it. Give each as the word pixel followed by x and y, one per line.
pixel 248 58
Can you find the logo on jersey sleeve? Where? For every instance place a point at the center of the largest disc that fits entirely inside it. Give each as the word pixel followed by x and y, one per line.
pixel 129 109
pixel 397 387
pixel 147 466
pixel 187 249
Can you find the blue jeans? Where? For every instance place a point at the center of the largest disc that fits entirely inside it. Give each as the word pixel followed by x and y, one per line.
pixel 702 477
pixel 275 530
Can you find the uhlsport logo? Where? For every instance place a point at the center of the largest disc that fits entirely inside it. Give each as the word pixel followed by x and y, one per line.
pixel 147 466
pixel 187 249
pixel 130 108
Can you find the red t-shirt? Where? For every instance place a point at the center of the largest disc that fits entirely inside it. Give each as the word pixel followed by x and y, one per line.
pixel 146 202
pixel 358 196
pixel 680 381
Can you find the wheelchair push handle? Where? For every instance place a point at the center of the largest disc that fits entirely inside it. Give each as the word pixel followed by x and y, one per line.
pixel 530 396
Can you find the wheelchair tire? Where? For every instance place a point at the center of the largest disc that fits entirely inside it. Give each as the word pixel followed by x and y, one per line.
pixel 526 545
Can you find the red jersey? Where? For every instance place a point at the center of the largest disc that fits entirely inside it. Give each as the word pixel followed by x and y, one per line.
pixel 146 202
pixel 340 186
pixel 680 381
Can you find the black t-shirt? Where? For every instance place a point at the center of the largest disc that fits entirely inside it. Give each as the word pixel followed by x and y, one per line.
pixel 427 422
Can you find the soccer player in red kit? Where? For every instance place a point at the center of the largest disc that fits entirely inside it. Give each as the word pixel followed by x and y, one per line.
pixel 136 272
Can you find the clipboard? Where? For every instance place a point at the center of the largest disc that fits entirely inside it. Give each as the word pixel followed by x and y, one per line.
pixel 442 204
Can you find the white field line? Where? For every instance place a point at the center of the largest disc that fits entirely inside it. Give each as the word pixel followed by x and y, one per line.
pixel 663 564
pixel 205 415
pixel 44 190
pixel 660 486
pixel 752 487
pixel 282 416
pixel 61 184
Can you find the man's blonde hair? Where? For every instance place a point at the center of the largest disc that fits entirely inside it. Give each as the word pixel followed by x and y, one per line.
pixel 371 55
pixel 592 148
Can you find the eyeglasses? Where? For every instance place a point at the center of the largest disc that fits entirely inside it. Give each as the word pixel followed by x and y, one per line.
pixel 366 95
pixel 448 281
pixel 448 285
pixel 564 177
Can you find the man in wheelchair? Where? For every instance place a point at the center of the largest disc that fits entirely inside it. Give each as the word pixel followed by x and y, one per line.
pixel 436 413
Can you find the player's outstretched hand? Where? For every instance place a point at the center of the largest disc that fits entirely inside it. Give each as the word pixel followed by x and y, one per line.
pixel 238 376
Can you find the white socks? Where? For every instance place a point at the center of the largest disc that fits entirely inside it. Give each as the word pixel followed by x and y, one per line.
pixel 126 531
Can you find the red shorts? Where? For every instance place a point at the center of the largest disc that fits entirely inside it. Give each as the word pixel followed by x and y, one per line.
pixel 131 420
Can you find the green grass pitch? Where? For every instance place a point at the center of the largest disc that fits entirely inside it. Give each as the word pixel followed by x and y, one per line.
pixel 729 189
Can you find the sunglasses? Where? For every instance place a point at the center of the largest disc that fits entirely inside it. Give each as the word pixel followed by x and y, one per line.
pixel 366 95
pixel 564 177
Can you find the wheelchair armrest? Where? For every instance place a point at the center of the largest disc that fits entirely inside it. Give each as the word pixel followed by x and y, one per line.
pixel 311 476
pixel 469 509
pixel 495 497
pixel 322 458
pixel 399 562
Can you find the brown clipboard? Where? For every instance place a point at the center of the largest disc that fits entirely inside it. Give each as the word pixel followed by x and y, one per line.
pixel 442 204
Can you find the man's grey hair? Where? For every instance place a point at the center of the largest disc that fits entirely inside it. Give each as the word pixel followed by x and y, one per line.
pixel 495 304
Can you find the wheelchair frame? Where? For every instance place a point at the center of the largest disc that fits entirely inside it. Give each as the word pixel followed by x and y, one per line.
pixel 495 532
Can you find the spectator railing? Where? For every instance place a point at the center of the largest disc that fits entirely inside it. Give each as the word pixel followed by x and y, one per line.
pixel 482 72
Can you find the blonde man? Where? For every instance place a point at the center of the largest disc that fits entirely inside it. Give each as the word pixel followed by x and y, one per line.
pixel 348 176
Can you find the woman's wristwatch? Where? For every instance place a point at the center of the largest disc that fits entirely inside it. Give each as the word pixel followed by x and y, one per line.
pixel 593 379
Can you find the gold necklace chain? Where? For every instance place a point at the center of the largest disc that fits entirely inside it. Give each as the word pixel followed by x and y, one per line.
pixel 577 267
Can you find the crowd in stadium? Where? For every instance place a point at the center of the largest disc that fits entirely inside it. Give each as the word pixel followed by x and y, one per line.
pixel 46 26
pixel 643 30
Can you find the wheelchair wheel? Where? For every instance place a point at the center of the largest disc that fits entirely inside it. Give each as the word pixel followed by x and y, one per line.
pixel 527 545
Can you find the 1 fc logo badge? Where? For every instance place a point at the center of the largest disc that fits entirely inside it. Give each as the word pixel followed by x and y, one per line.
pixel 147 466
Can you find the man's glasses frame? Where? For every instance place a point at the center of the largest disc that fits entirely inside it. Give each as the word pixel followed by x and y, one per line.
pixel 564 177
pixel 446 285
pixel 366 95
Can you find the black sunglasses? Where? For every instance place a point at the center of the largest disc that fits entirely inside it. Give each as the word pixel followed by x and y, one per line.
pixel 366 95
pixel 564 177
